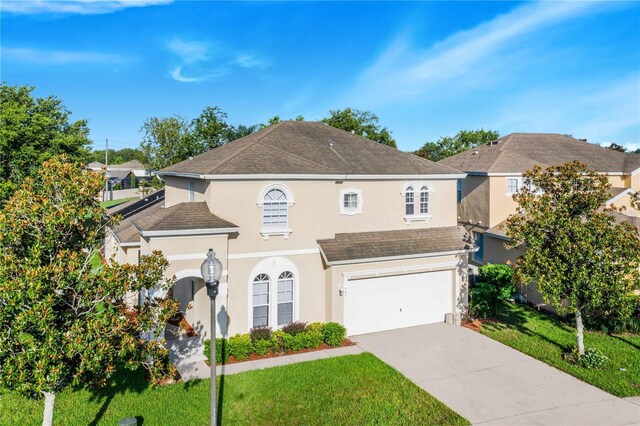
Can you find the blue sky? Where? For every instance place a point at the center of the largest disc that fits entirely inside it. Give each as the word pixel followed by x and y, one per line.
pixel 427 69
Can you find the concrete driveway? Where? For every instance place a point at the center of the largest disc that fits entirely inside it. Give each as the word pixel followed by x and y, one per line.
pixel 490 383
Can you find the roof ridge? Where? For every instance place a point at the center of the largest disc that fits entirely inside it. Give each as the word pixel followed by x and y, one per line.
pixel 257 139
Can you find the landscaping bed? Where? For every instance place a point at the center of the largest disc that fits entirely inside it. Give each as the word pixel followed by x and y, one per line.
pixel 354 389
pixel 263 342
pixel 547 339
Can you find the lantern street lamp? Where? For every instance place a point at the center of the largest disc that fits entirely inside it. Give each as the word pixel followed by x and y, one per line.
pixel 211 272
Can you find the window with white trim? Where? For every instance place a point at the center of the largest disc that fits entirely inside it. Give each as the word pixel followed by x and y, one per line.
pixel 261 300
pixel 513 185
pixel 417 199
pixel 350 201
pixel 424 200
pixel 409 197
pixel 192 191
pixel 285 298
pixel 275 209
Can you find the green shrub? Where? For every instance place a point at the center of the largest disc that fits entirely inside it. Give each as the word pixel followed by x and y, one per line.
pixel 485 300
pixel 629 323
pixel 334 333
pixel 500 276
pixel 261 332
pixel 311 339
pixel 316 326
pixel 241 346
pixel 261 346
pixel 278 343
pixel 222 350
pixel 295 327
pixel 592 358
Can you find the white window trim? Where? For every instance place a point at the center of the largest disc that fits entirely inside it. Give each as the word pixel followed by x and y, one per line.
pixel 273 267
pixel 519 179
pixel 417 216
pixel 347 211
pixel 285 231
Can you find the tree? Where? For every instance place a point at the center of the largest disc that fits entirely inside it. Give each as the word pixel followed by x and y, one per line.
pixel 362 123
pixel 169 140
pixel 119 156
pixel 448 146
pixel 616 147
pixel 63 323
pixel 241 131
pixel 33 130
pixel 583 262
pixel 276 119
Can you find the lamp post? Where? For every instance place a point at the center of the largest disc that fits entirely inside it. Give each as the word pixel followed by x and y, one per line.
pixel 211 272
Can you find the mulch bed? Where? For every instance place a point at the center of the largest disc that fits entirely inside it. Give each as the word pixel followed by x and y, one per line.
pixel 476 324
pixel 179 321
pixel 255 357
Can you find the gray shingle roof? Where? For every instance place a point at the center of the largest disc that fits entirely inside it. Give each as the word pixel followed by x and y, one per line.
pixel 518 152
pixel 303 147
pixel 384 244
pixel 181 217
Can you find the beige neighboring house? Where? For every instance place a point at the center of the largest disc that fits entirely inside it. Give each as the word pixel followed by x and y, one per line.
pixel 311 223
pixel 494 174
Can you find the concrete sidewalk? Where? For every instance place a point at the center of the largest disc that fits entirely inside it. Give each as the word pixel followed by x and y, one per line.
pixel 186 354
pixel 490 383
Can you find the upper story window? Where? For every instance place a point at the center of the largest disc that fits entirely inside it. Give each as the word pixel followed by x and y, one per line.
pixel 350 201
pixel 192 191
pixel 459 191
pixel 417 197
pixel 513 185
pixel 275 201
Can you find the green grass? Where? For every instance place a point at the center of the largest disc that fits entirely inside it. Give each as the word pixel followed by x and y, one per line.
pixel 355 389
pixel 107 204
pixel 546 339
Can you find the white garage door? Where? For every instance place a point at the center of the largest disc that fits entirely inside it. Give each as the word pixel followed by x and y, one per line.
pixel 386 303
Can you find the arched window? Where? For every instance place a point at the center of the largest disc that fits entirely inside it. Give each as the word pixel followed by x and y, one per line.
pixel 424 200
pixel 409 197
pixel 285 298
pixel 261 300
pixel 275 209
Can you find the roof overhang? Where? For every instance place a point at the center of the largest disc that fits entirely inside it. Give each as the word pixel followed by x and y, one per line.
pixel 186 232
pixel 628 191
pixel 389 258
pixel 313 176
pixel 520 173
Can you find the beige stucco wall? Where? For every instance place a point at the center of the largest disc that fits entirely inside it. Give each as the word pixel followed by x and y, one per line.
pixel 502 204
pixel 621 181
pixel 634 182
pixel 177 190
pixel 474 207
pixel 496 252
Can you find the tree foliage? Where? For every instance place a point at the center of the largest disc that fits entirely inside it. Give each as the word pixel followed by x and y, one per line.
pixel 448 146
pixel 119 156
pixel 616 147
pixel 362 123
pixel 276 119
pixel 33 130
pixel 62 322
pixel 583 262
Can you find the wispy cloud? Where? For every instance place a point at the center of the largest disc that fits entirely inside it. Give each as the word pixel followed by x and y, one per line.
pixel 81 7
pixel 60 57
pixel 208 60
pixel 404 70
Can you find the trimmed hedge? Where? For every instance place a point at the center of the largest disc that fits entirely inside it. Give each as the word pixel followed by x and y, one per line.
pixel 261 341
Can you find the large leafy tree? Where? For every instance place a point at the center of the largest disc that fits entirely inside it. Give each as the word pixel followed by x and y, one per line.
pixel 33 130
pixel 362 123
pixel 448 146
pixel 119 156
pixel 583 262
pixel 62 322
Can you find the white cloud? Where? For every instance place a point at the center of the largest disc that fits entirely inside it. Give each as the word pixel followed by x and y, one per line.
pixel 81 7
pixel 208 60
pixel 403 71
pixel 60 57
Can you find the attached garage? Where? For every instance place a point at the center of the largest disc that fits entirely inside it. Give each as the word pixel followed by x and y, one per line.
pixel 390 302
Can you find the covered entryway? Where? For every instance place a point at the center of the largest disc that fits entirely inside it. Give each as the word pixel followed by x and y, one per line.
pixel 390 302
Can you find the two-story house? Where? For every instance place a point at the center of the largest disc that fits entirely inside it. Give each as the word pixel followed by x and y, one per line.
pixel 494 174
pixel 311 223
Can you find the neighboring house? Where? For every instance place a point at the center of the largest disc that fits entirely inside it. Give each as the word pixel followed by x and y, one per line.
pixel 127 175
pixel 311 223
pixel 494 174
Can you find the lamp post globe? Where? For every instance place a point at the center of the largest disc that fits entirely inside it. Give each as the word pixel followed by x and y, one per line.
pixel 211 270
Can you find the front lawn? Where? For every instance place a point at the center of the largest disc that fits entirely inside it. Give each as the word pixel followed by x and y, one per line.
pixel 111 203
pixel 355 389
pixel 544 338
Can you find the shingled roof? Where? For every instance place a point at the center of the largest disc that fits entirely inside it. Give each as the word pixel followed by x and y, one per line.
pixel 309 148
pixel 367 246
pixel 518 152
pixel 156 220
